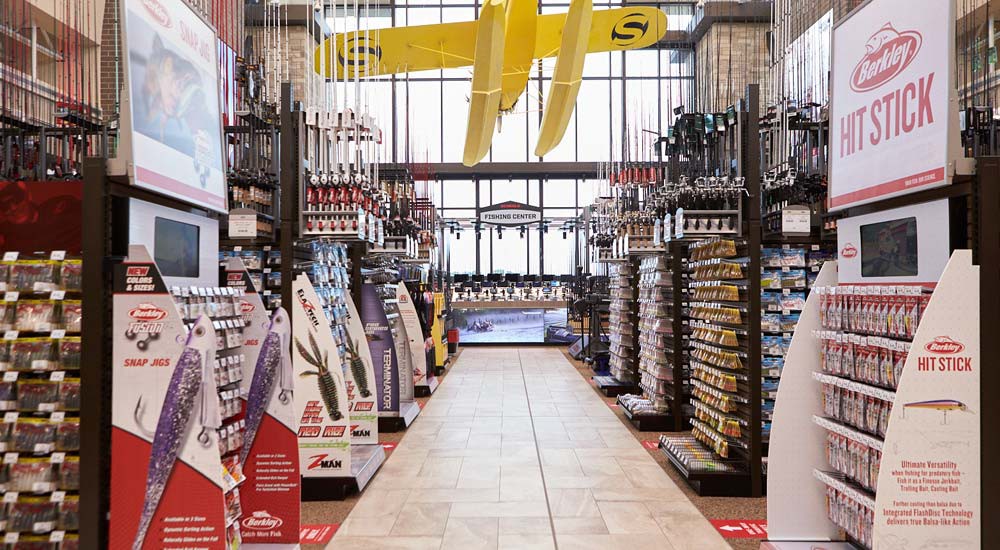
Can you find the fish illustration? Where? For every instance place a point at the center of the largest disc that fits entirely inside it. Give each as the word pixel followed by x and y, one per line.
pixel 943 405
pixel 178 407
pixel 327 385
pixel 877 40
pixel 358 368
pixel 272 357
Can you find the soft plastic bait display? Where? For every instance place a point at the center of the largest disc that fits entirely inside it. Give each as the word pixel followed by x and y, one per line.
pixel 272 365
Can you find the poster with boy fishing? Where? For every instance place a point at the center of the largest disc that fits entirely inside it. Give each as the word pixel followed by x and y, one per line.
pixel 423 375
pixel 321 404
pixel 270 459
pixel 362 387
pixel 167 486
pixel 172 122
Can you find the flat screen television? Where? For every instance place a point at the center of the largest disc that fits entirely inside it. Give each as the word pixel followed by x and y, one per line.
pixel 548 278
pixel 175 248
pixel 461 278
pixel 494 277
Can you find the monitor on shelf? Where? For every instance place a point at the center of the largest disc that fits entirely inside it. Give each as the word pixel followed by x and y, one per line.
pixel 566 279
pixel 478 278
pixel 548 278
pixel 531 278
pixel 495 277
pixel 514 278
pixel 461 278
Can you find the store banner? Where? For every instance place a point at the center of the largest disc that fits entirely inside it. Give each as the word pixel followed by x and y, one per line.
pixel 510 213
pixel 167 481
pixel 414 335
pixel 893 124
pixel 929 479
pixel 321 393
pixel 270 497
pixel 173 123
pixel 382 350
pixel 362 390
pixel 908 245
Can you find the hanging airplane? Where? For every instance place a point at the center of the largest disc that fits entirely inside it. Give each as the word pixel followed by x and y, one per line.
pixel 501 48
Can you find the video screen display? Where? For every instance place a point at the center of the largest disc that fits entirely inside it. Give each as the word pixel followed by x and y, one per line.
pixel 889 249
pixel 512 325
pixel 175 248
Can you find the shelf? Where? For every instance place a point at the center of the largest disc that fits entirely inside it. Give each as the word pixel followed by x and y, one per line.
pixel 860 496
pixel 851 385
pixel 849 433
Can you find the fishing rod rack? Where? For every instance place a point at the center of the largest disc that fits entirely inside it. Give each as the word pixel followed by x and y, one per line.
pixel 49 152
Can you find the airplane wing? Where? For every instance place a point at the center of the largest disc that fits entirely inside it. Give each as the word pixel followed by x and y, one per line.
pixel 566 79
pixel 487 77
pixel 450 45
pixel 611 30
pixel 397 50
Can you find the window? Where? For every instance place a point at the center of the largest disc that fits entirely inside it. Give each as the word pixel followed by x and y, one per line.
pixel 559 193
pixel 459 194
pixel 510 251
pixel 559 253
pixel 461 251
pixel 504 190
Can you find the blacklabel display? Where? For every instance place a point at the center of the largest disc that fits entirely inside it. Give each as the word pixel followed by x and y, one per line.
pixel 320 392
pixel 893 129
pixel 510 213
pixel 173 120
pixel 929 481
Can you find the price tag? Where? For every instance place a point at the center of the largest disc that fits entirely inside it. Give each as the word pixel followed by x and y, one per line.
pixel 57 376
pixel 10 458
pixel 10 538
pixel 786 312
pixel 58 334
pixel 46 407
pixel 57 458
pixel 237 249
pixel 10 376
pixel 41 487
pixel 10 417
pixel 40 364
pixel 10 496
pixel 57 536
pixel 815 269
pixel 10 335
pixel 43 526
pixel 814 247
pixel 786 291
pixel 57 295
pixel 57 416
pixel 786 247
pixel 10 296
pixel 267 270
pixel 44 448
pixel 786 335
pixel 58 496
pixel 58 255
pixel 267 248
pixel 10 256
pixel 784 269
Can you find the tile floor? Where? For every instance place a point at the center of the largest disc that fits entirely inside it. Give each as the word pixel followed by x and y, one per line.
pixel 515 450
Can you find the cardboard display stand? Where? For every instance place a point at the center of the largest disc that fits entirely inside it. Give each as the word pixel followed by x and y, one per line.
pixel 424 381
pixel 270 498
pixel 321 404
pixel 167 484
pixel 362 389
pixel 394 380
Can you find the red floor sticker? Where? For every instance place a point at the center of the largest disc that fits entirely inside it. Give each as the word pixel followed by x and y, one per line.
pixel 389 447
pixel 421 404
pixel 610 404
pixel 651 445
pixel 317 534
pixel 741 528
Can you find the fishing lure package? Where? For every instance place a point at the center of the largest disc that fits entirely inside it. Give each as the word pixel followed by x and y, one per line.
pixel 30 514
pixel 68 435
pixel 69 474
pixel 69 353
pixel 29 475
pixel 71 315
pixel 35 394
pixel 32 435
pixel 36 316
pixel 71 275
pixel 31 275
pixel 31 354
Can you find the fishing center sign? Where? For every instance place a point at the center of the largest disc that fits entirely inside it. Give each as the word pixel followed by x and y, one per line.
pixel 892 98
pixel 510 214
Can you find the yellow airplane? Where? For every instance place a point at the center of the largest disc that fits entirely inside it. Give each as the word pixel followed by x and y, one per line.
pixel 501 48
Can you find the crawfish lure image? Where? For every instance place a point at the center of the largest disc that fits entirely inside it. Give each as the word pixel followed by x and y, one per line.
pixel 358 368
pixel 327 385
pixel 268 369
pixel 178 407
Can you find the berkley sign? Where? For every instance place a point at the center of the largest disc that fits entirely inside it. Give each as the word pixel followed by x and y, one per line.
pixel 892 91
pixel 945 345
pixel 510 213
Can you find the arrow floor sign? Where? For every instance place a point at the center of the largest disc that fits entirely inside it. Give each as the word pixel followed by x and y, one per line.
pixel 741 528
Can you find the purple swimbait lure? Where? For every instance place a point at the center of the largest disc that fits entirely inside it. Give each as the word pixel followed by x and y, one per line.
pixel 178 407
pixel 273 362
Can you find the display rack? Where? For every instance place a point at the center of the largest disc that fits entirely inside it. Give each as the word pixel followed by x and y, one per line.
pixel 40 313
pixel 623 328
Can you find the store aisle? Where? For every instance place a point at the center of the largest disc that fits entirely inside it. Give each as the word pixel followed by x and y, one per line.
pixel 515 450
